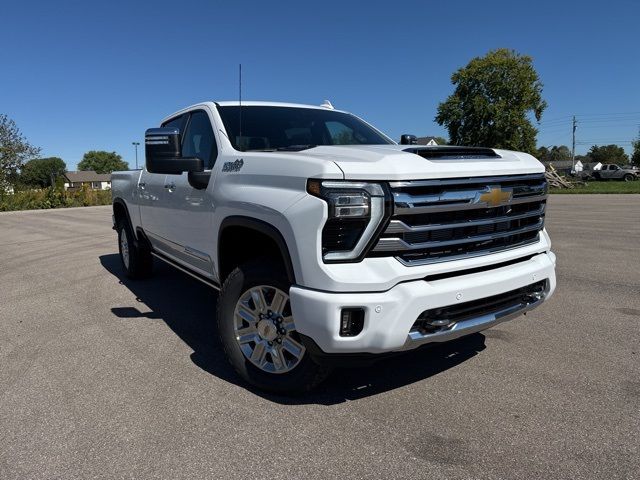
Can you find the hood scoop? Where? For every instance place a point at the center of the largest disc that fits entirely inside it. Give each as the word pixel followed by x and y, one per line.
pixel 453 153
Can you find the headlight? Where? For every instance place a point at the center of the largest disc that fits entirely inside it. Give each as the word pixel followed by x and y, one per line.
pixel 356 211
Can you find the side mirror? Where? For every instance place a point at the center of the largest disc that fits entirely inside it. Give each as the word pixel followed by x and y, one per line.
pixel 163 152
pixel 407 139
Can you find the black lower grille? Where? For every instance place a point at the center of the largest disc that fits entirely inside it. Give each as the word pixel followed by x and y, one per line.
pixel 438 319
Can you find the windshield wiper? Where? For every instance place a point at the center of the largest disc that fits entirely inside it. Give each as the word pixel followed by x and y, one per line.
pixel 294 148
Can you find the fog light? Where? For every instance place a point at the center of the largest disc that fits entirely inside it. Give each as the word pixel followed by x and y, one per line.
pixel 351 321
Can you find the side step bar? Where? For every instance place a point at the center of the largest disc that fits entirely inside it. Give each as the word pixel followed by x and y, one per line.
pixel 206 281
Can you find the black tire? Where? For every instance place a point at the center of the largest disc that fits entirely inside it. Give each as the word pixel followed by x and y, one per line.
pixel 138 263
pixel 628 178
pixel 305 375
pixel 596 176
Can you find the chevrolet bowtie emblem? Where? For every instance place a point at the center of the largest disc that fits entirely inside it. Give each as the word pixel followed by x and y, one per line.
pixel 496 196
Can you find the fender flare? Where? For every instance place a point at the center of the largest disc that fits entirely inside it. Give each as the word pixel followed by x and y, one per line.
pixel 264 228
pixel 120 201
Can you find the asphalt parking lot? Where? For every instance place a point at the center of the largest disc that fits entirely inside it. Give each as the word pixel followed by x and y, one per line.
pixel 101 377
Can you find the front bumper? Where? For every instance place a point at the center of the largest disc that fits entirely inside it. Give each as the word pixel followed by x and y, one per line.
pixel 390 315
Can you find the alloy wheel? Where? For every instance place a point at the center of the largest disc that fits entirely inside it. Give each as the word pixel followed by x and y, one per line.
pixel 265 331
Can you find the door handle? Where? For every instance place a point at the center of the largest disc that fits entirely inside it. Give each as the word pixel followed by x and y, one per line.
pixel 170 186
pixel 142 185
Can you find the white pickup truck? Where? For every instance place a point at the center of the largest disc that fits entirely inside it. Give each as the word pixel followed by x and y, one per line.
pixel 327 240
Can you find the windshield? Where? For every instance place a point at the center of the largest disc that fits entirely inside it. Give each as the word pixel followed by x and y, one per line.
pixel 267 128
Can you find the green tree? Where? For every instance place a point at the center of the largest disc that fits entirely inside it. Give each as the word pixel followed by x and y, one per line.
pixel 14 151
pixel 554 153
pixel 441 140
pixel 102 162
pixel 42 172
pixel 635 156
pixel 608 154
pixel 542 154
pixel 493 98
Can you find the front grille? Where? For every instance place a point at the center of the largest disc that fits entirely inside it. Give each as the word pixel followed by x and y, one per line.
pixel 440 220
pixel 438 319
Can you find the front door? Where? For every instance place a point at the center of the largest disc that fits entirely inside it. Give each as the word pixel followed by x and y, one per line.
pixel 181 226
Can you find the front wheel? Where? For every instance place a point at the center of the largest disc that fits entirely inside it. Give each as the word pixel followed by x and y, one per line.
pixel 628 178
pixel 258 331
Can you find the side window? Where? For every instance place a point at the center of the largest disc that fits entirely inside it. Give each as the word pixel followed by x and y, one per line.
pixel 198 140
pixel 177 122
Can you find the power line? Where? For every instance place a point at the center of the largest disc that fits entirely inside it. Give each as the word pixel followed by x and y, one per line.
pixel 610 142
pixel 602 121
pixel 594 117
pixel 608 126
pixel 561 137
pixel 612 120
pixel 603 114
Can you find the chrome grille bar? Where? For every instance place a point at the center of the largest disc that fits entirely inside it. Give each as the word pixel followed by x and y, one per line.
pixel 397 244
pixel 398 226
pixel 407 204
pixel 465 181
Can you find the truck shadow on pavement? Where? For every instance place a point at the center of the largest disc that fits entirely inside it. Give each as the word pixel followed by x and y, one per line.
pixel 188 308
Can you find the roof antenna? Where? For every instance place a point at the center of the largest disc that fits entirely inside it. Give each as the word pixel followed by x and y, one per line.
pixel 327 104
pixel 240 106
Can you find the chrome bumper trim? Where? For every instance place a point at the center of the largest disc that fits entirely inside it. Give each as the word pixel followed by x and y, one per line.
pixel 474 325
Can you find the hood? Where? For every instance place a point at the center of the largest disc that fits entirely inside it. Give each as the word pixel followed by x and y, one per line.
pixel 393 162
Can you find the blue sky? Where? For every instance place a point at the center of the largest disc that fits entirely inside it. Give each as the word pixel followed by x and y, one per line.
pixel 89 75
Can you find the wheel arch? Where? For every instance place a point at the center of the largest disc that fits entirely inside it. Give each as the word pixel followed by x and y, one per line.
pixel 231 240
pixel 121 211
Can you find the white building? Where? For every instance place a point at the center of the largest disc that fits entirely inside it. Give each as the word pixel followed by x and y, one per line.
pixel 96 181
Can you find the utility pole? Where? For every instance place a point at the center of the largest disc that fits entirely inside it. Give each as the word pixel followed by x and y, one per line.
pixel 573 145
pixel 135 144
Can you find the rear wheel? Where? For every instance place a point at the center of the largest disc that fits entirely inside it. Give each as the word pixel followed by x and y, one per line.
pixel 258 331
pixel 136 259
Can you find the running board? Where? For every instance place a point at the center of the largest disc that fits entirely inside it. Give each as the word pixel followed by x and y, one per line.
pixel 174 264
